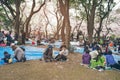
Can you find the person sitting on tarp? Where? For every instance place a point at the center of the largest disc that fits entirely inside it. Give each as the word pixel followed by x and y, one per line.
pixel 7 58
pixel 98 62
pixel 111 62
pixel 62 56
pixel 19 54
pixel 48 54
pixel 86 58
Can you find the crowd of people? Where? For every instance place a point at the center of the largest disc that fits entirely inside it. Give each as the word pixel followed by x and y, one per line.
pixel 99 56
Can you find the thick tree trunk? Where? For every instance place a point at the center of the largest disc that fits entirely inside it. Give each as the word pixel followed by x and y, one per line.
pixel 90 23
pixel 17 18
pixel 64 8
pixel 67 24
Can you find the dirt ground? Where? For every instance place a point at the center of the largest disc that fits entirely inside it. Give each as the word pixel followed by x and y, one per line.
pixel 69 70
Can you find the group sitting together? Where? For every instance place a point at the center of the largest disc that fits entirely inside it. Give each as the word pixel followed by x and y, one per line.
pixel 19 55
pixel 62 56
pixel 97 59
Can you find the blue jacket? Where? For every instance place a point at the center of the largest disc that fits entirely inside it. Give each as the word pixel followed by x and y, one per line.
pixel 110 60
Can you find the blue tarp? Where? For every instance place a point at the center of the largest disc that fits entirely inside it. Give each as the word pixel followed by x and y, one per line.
pixel 31 53
pixel 79 50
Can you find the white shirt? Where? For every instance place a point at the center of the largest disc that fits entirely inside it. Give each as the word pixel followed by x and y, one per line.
pixel 64 52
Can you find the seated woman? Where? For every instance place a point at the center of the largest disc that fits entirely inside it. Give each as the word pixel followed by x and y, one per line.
pixel 62 56
pixel 111 62
pixel 100 59
pixel 7 58
pixel 48 54
pixel 86 58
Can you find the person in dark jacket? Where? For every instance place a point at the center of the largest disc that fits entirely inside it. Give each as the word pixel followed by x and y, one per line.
pixel 9 39
pixel 48 54
pixel 23 37
pixel 6 58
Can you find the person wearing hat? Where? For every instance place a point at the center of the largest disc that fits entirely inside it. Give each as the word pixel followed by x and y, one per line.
pixel 19 54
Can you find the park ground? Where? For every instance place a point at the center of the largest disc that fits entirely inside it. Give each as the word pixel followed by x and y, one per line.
pixel 69 70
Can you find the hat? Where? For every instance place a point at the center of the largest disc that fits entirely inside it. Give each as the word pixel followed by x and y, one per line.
pixel 12 44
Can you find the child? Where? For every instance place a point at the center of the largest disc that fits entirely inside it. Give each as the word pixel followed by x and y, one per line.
pixel 7 58
pixel 86 58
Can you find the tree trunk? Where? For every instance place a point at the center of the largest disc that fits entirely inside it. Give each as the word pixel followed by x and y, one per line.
pixel 90 23
pixel 63 31
pixel 17 18
pixel 99 29
pixel 64 8
pixel 31 14
pixel 67 24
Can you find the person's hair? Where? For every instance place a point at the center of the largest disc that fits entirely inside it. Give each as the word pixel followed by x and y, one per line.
pixel 87 51
pixel 5 52
pixel 109 52
pixel 62 47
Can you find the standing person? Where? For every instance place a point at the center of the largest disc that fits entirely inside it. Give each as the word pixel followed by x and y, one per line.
pixel 19 54
pixel 16 36
pixel 72 36
pixel 38 37
pixel 23 35
pixel 9 39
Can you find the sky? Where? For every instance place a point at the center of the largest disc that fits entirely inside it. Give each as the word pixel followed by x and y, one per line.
pixel 118 4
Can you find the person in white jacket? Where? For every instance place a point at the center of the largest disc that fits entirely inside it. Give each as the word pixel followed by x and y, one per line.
pixel 62 56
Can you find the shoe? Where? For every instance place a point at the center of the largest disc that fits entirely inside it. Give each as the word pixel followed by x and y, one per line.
pixel 100 70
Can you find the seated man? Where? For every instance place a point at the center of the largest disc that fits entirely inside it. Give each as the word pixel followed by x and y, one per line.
pixel 62 56
pixel 19 54
pixel 48 54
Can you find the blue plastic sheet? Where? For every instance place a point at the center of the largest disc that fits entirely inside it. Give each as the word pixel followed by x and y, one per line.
pixel 31 53
pixel 79 50
pixel 116 57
